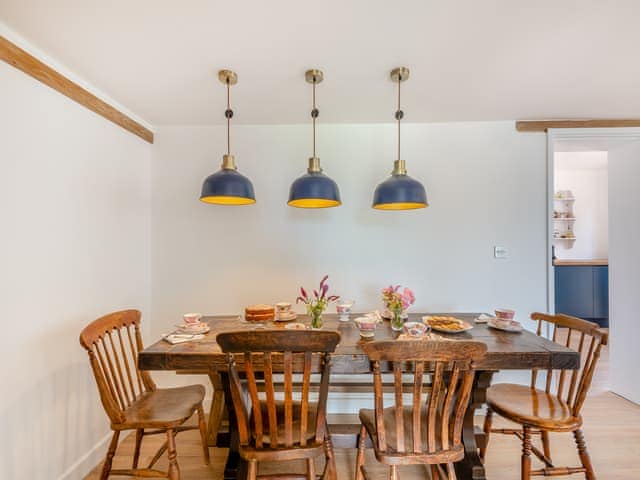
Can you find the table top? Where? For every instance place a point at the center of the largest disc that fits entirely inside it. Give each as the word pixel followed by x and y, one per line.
pixel 513 351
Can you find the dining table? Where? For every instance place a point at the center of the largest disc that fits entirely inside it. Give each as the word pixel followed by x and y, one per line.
pixel 522 350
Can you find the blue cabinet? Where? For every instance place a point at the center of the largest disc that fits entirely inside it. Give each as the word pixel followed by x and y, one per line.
pixel 601 292
pixel 583 291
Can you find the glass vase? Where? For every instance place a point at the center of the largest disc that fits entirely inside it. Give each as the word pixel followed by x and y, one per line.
pixel 397 322
pixel 316 320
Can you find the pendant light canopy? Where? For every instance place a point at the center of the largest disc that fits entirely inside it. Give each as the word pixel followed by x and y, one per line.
pixel 399 191
pixel 314 189
pixel 227 186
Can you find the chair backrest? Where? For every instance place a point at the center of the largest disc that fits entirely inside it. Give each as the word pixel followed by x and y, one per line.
pixel 113 353
pixel 572 386
pixel 450 364
pixel 261 354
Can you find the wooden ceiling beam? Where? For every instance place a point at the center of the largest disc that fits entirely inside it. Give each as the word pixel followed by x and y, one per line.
pixel 543 125
pixel 20 59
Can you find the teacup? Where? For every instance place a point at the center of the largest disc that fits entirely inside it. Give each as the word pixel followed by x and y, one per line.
pixel 504 313
pixel 416 329
pixel 344 309
pixel 283 307
pixel 367 325
pixel 192 318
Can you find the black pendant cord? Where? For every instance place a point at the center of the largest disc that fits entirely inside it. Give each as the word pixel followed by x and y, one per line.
pixel 314 115
pixel 228 113
pixel 399 115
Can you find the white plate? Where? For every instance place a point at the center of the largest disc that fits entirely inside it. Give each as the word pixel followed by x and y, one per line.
pixel 466 325
pixel 514 327
pixel 295 326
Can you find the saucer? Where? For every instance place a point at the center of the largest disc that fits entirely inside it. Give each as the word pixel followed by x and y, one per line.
pixel 286 317
pixel 197 328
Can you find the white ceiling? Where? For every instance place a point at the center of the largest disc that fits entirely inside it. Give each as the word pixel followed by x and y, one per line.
pixel 469 59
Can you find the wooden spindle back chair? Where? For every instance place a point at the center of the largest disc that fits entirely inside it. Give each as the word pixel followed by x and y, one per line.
pixel 129 396
pixel 271 430
pixel 419 431
pixel 554 399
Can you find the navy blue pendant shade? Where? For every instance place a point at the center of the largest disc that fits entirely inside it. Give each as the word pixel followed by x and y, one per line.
pixel 227 186
pixel 400 191
pixel 314 190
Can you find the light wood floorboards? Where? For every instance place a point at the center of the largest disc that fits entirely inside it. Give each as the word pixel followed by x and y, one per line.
pixel 611 426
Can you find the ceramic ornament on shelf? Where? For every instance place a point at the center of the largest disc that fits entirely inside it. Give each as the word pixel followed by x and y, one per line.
pixel 563 219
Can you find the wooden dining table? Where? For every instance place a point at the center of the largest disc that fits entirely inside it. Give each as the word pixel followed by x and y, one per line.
pixel 505 351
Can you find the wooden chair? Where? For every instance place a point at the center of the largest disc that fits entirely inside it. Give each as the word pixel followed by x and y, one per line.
pixel 421 432
pixel 130 397
pixel 557 407
pixel 273 430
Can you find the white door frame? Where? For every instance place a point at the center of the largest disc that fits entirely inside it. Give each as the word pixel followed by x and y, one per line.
pixel 603 139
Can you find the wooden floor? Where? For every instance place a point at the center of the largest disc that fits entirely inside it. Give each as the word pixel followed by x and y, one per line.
pixel 611 425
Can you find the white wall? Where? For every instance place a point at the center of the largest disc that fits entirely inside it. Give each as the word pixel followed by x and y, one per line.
pixel 485 184
pixel 585 174
pixel 74 244
pixel 624 269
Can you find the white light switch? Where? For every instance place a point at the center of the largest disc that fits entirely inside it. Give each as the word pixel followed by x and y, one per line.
pixel 500 252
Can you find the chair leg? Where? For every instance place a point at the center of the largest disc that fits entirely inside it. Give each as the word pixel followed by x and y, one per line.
pixel 488 422
pixel 546 447
pixel 393 472
pixel 435 474
pixel 451 472
pixel 203 434
pixel 106 467
pixel 311 469
pixel 136 452
pixel 174 470
pixel 525 465
pixel 362 440
pixel 330 471
pixel 584 455
pixel 252 470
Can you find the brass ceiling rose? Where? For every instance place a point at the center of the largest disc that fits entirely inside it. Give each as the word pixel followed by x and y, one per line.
pixel 400 74
pixel 313 76
pixel 228 77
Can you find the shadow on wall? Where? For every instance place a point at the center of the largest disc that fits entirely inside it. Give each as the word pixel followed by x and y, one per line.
pixel 49 429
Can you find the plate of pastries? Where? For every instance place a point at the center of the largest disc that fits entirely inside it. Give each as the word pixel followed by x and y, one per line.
pixel 446 324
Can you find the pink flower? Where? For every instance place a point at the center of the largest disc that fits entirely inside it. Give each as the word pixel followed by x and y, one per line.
pixel 408 294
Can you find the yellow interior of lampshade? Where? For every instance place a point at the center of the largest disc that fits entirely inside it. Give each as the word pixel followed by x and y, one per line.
pixel 227 200
pixel 400 206
pixel 313 203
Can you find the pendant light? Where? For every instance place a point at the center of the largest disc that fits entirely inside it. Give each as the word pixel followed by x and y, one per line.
pixel 314 189
pixel 227 186
pixel 399 191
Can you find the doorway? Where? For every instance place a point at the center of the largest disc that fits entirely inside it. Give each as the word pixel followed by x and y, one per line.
pixel 602 160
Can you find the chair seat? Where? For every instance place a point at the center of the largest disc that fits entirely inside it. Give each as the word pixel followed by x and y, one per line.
pixel 368 419
pixel 311 422
pixel 163 408
pixel 529 406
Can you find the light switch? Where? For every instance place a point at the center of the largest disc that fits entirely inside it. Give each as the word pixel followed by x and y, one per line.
pixel 500 252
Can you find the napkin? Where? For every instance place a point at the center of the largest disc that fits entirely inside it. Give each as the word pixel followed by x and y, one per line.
pixel 483 318
pixel 175 338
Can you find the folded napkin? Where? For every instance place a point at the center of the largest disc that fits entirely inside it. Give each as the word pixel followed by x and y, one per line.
pixel 175 338
pixel 483 318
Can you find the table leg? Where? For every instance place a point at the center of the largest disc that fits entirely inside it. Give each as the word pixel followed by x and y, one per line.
pixel 233 469
pixel 471 467
pixel 217 409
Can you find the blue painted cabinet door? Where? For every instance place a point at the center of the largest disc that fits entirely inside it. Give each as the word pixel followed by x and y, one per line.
pixel 601 292
pixel 574 290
